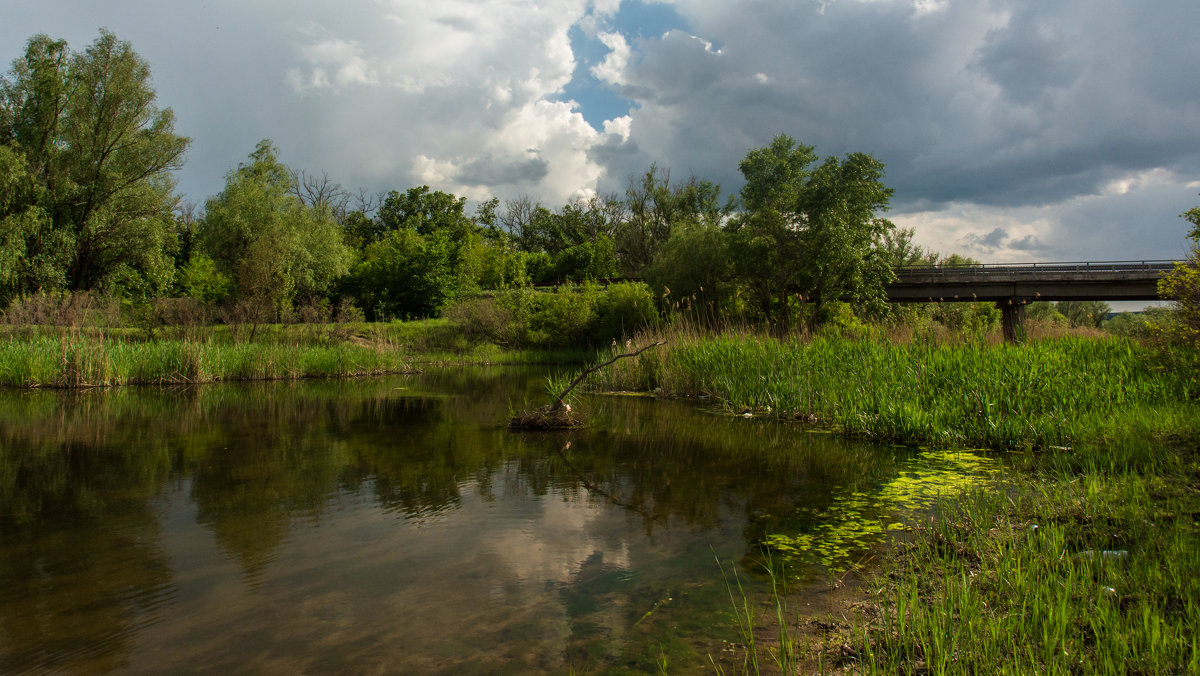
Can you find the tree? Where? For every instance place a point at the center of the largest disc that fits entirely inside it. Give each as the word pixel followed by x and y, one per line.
pixel 33 254
pixel 574 243
pixel 808 237
pixel 694 264
pixel 321 192
pixel 99 153
pixel 424 211
pixel 656 208
pixel 1183 284
pixel 1045 312
pixel 419 255
pixel 517 221
pixel 276 249
pixel 1090 313
pixel 406 275
pixel 898 248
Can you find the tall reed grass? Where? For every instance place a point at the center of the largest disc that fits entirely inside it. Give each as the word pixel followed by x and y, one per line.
pixel 74 360
pixel 1080 559
pixel 963 394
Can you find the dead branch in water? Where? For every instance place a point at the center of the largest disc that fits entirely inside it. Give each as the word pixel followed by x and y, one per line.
pixel 559 403
pixel 558 414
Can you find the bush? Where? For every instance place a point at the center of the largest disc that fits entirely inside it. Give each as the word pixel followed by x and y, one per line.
pixel 64 308
pixel 838 319
pixel 487 320
pixel 568 317
pixel 564 318
pixel 184 311
pixel 972 318
pixel 624 309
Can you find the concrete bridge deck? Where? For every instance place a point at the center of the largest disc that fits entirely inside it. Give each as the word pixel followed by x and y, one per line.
pixel 1106 280
pixel 1011 286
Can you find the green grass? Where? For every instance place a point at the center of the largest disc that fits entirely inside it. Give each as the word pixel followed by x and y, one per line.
pixel 1066 572
pixel 91 361
pixel 1050 393
pixel 1106 466
pixel 39 356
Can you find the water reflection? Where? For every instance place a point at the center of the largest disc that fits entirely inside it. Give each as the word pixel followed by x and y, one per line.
pixel 389 524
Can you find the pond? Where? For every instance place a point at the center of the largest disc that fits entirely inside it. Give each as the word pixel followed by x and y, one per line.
pixel 395 525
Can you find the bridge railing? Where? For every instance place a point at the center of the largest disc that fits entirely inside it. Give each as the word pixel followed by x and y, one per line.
pixel 1038 268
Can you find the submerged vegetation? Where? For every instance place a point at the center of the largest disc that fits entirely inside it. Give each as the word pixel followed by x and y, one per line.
pixel 1078 558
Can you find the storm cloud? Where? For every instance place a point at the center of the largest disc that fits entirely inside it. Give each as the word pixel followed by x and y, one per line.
pixel 1011 129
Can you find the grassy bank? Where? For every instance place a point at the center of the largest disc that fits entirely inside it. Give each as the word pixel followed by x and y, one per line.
pixel 68 357
pixel 1079 559
pixel 1069 570
pixel 1041 395
pixel 98 361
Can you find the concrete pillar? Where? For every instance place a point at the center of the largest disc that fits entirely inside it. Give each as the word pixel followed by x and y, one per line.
pixel 1012 319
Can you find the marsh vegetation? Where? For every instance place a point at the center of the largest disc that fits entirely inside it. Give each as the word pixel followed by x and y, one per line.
pixel 1026 508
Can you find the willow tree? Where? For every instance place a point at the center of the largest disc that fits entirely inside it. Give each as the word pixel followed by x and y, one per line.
pixel 276 249
pixel 97 157
pixel 809 236
pixel 656 208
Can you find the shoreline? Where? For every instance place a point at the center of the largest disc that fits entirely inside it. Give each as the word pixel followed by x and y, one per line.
pixel 1085 561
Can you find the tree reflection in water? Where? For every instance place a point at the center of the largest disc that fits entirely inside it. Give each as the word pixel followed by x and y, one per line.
pixel 346 510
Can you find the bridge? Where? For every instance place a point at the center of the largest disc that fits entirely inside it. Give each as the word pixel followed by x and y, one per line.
pixel 1012 286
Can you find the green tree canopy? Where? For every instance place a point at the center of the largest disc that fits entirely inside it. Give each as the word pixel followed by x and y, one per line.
pixel 898 248
pixel 576 242
pixel 1183 284
pixel 656 208
pixel 421 254
pixel 258 231
pixel 694 267
pixel 811 236
pixel 1091 313
pixel 424 211
pixel 92 205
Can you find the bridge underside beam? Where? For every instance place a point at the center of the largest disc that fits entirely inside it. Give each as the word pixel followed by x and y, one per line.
pixel 994 292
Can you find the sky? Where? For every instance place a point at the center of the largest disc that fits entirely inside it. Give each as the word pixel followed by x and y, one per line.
pixel 1012 130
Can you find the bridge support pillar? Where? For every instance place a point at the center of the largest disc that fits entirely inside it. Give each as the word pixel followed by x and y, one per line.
pixel 1012 319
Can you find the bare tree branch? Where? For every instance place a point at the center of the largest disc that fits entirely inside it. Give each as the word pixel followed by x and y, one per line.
pixel 559 403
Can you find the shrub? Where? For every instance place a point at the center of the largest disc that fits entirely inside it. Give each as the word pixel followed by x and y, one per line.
pixel 64 308
pixel 838 319
pixel 623 310
pixel 566 317
pixel 487 320
pixel 184 311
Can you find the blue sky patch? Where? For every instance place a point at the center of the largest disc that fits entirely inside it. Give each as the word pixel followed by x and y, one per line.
pixel 599 101
pixel 638 19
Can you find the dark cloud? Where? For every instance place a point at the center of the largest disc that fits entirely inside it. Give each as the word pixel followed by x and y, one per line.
pixel 492 171
pixel 999 238
pixel 1028 58
pixel 1000 103
pixel 1009 119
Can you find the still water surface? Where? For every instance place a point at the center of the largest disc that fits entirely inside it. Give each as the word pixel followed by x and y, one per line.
pixel 395 525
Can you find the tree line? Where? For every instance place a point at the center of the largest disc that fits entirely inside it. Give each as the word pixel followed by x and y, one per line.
pixel 88 203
